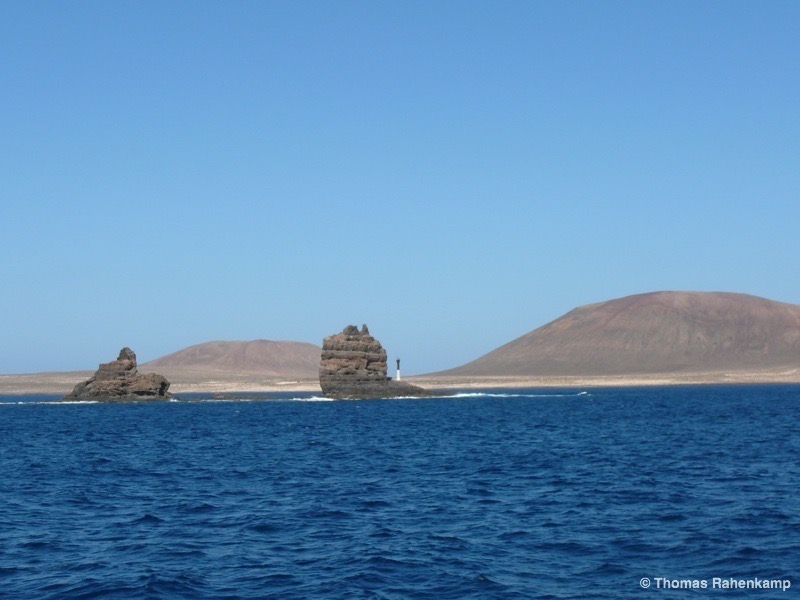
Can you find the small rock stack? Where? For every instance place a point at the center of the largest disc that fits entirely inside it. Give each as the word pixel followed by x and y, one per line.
pixel 353 365
pixel 120 381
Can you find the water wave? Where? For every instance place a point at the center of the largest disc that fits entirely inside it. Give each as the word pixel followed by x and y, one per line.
pixel 302 497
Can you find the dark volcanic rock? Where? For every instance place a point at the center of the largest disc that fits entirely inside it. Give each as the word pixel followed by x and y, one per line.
pixel 120 381
pixel 353 365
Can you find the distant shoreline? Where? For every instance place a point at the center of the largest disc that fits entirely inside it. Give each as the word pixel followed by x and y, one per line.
pixel 636 380
pixel 185 382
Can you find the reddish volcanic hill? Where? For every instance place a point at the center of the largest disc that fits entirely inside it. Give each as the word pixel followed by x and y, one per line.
pixel 262 357
pixel 660 332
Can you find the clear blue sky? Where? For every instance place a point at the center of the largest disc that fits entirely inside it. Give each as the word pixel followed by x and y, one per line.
pixel 454 174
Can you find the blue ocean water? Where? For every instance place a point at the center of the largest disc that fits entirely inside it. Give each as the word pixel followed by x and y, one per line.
pixel 509 494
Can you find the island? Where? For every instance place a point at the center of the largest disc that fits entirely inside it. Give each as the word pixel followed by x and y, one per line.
pixel 353 366
pixel 120 381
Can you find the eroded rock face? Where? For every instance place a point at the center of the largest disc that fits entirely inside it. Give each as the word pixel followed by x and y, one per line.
pixel 120 381
pixel 353 365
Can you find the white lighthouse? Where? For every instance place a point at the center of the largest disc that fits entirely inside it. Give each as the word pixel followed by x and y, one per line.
pixel 398 370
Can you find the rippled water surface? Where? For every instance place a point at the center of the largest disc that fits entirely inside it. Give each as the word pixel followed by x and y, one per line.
pixel 529 494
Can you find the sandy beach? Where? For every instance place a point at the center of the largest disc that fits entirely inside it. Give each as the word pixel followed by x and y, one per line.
pixel 182 381
pixel 755 377
pixel 192 381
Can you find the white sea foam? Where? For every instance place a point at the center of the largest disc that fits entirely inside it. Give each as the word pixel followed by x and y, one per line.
pixel 486 395
pixel 296 399
pixel 309 399
pixel 52 402
pixel 253 399
pixel 508 395
pixel 321 398
pixel 59 402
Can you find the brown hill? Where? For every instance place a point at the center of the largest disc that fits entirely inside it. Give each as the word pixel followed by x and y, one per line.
pixel 262 357
pixel 660 332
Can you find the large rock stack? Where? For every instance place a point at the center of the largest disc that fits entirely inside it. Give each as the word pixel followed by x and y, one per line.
pixel 120 381
pixel 353 365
